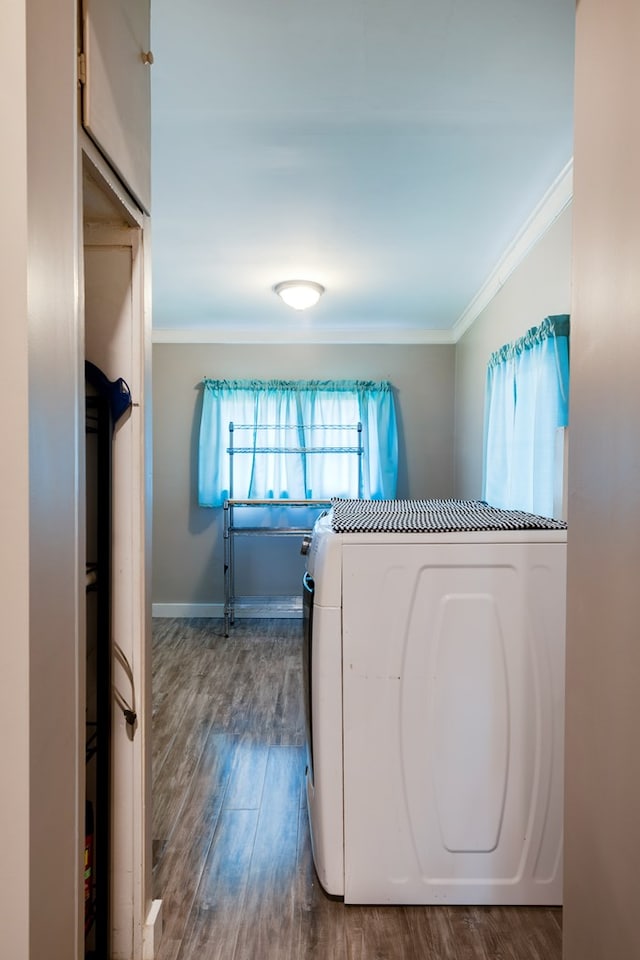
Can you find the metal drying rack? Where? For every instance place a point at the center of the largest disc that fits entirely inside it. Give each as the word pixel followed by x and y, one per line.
pixel 233 529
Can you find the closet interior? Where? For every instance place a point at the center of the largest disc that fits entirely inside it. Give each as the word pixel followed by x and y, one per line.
pixel 116 631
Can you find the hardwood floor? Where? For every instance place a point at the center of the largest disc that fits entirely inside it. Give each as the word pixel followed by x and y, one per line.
pixel 232 857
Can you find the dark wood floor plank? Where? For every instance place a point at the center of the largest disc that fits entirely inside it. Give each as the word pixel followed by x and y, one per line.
pixel 219 905
pixel 246 782
pixel 234 864
pixel 175 782
pixel 169 720
pixel 380 932
pixel 319 923
pixel 278 824
pixel 268 921
pixel 169 949
pixel 180 865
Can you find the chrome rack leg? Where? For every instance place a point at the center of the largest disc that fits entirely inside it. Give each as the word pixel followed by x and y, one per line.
pixel 227 572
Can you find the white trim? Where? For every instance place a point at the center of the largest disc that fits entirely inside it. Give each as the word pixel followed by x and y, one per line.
pixel 152 933
pixel 555 200
pixel 258 335
pixel 216 610
pixel 109 181
pixel 161 610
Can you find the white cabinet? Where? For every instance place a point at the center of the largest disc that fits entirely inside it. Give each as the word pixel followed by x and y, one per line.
pixel 114 71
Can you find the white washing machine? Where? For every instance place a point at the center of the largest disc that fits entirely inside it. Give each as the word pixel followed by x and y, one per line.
pixel 434 661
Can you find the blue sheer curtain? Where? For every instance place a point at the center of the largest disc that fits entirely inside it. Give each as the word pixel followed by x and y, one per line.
pixel 305 415
pixel 527 400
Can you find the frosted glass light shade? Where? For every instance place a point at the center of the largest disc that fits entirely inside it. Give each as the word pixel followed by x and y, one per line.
pixel 299 294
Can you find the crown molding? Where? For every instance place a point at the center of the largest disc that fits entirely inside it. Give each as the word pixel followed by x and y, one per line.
pixel 284 335
pixel 554 202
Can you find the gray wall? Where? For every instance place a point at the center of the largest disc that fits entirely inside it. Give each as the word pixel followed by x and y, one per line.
pixel 540 285
pixel 602 849
pixel 187 541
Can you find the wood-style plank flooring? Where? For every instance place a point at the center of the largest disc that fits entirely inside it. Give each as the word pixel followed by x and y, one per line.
pixel 232 858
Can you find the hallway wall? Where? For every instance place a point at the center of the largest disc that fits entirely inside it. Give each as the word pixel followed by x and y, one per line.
pixel 602 848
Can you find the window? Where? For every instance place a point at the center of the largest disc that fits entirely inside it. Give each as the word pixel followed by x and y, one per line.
pixel 527 403
pixel 315 421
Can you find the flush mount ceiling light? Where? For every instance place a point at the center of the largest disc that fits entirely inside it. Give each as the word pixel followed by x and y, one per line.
pixel 299 294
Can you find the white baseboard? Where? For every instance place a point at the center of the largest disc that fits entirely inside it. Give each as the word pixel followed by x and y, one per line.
pixel 257 610
pixel 152 933
pixel 187 610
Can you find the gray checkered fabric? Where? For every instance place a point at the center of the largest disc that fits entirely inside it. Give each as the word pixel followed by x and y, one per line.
pixel 432 516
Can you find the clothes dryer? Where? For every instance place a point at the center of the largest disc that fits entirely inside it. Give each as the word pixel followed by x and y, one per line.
pixel 435 690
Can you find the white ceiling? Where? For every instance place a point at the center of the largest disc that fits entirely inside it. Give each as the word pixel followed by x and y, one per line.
pixel 389 149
